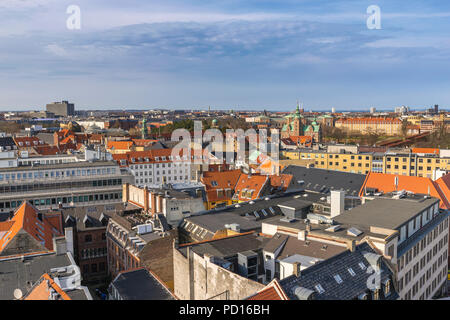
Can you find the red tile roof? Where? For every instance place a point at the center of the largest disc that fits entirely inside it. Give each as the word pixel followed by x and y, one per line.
pixel 119 145
pixel 273 291
pixel 41 291
pixel 281 181
pixel 26 218
pixel 22 142
pixel 386 183
pixel 47 150
pixel 217 182
pixel 425 150
pixel 369 121
pixel 249 188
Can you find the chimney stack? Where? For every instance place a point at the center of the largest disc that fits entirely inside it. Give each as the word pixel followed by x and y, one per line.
pixel 297 271
pixel 351 246
pixel 337 202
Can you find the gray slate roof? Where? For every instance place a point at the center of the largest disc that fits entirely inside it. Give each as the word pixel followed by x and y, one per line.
pixel 322 180
pixel 323 273
pixel 140 285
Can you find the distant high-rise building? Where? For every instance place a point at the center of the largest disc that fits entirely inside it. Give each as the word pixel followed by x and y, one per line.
pixel 402 109
pixel 373 110
pixel 62 109
pixel 333 110
pixel 436 108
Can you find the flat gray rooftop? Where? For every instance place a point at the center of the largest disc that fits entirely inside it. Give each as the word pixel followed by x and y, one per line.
pixel 385 213
pixel 15 274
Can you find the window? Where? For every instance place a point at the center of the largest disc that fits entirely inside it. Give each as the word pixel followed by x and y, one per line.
pixel 88 238
pixel 338 278
pixel 319 288
pixel 350 270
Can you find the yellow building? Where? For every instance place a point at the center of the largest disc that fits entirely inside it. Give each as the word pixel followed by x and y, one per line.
pixel 385 126
pixel 401 163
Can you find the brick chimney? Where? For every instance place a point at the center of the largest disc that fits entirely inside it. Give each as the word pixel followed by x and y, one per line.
pixel 146 199
pixel 153 203
pixel 296 267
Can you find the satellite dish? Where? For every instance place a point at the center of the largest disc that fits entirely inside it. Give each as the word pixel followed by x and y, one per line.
pixel 18 294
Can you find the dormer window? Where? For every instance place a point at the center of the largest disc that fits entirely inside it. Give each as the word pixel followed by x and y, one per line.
pixel 387 287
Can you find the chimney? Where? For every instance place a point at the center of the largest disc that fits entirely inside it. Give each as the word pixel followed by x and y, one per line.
pixel 60 245
pixel 153 202
pixel 297 271
pixel 337 202
pixel 125 192
pixel 146 199
pixel 308 228
pixel 351 246
pixel 302 235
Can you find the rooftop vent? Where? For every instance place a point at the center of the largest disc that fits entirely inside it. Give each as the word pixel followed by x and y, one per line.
pixel 353 232
pixel 333 228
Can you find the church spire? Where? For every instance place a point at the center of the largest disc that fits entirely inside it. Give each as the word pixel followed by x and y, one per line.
pixel 298 108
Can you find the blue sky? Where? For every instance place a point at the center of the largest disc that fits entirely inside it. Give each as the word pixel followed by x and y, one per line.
pixel 236 54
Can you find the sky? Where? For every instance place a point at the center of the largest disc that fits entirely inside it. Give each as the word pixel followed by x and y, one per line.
pixel 227 54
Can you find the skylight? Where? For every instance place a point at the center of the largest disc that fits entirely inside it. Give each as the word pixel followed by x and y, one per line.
pixel 319 288
pixel 338 278
pixel 362 266
pixel 350 270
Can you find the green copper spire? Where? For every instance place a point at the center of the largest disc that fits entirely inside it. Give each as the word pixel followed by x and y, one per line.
pixel 144 128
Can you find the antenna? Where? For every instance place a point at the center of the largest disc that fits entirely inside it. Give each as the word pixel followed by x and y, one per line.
pixel 18 294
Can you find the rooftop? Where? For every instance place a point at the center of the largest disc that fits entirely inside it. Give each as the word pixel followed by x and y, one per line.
pixel 140 284
pixel 322 180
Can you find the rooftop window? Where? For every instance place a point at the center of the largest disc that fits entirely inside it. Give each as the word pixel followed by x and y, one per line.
pixel 319 288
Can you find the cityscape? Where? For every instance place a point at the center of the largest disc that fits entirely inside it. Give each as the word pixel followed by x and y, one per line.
pixel 220 200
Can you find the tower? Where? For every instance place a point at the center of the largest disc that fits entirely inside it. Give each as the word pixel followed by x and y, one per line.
pixel 144 128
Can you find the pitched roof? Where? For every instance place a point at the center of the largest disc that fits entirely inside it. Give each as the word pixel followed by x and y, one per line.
pixel 140 284
pixel 426 150
pixel 322 180
pixel 321 279
pixel 28 141
pixel 46 150
pixel 42 290
pixel 216 181
pixel 119 145
pixel 386 183
pixel 26 218
pixel 272 291
pixel 369 121
pixel 250 187
pixel 281 181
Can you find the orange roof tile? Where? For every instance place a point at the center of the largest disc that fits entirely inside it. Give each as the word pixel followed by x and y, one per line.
pixel 273 291
pixel 281 181
pixel 26 218
pixel 219 180
pixel 47 150
pixel 119 145
pixel 249 188
pixel 41 291
pixel 386 183
pixel 425 150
